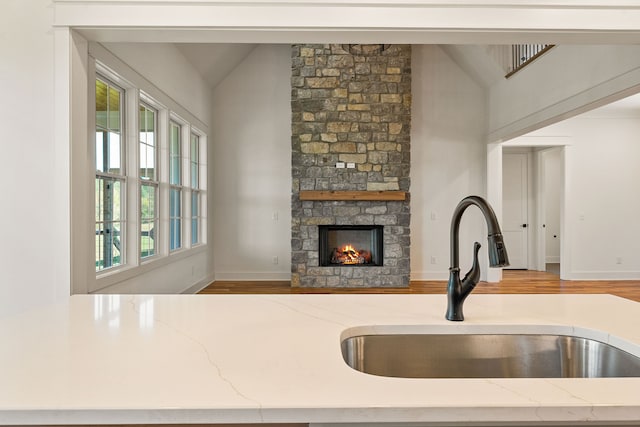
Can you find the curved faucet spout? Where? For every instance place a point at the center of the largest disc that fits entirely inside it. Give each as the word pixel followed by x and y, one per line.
pixel 458 290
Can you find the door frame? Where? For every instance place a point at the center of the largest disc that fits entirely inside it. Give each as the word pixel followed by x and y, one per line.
pixel 494 182
pixel 541 237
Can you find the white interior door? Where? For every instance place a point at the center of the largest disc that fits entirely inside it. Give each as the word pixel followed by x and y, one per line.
pixel 515 224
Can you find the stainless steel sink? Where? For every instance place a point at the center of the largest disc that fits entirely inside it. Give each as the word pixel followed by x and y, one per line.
pixel 487 356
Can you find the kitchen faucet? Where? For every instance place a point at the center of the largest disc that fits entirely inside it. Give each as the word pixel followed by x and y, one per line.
pixel 458 290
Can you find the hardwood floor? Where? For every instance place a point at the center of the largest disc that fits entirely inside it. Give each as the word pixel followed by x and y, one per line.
pixel 514 281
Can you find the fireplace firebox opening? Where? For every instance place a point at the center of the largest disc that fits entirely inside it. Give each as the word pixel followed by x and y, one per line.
pixel 350 245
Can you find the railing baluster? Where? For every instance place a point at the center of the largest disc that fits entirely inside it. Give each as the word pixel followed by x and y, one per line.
pixel 522 54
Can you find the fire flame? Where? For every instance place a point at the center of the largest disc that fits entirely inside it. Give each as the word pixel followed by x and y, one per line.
pixel 351 253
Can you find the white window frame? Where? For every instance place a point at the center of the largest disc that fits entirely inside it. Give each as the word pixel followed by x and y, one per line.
pixel 200 189
pixel 179 187
pixel 148 103
pixel 106 77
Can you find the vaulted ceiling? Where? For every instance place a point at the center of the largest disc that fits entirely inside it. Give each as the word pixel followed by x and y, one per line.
pixel 214 61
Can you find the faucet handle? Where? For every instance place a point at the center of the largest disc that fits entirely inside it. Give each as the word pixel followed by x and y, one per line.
pixel 473 276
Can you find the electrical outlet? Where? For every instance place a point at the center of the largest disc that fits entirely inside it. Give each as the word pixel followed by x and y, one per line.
pixel 274 216
pixel 275 260
pixel 619 260
pixel 433 260
pixel 340 165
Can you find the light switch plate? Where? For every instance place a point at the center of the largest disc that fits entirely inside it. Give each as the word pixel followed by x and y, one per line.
pixel 340 165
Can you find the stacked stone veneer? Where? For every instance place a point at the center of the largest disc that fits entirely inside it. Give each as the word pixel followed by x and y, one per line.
pixel 351 106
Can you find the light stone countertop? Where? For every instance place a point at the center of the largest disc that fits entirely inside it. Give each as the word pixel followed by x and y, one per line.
pixel 156 359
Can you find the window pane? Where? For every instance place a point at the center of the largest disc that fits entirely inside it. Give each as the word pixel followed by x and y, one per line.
pixel 151 162
pixel 101 142
pixel 109 208
pixel 147 143
pixel 175 209
pixel 195 211
pixel 116 192
pixel 114 109
pixel 148 220
pixel 99 198
pixel 147 238
pixel 174 155
pixel 194 175
pixel 101 104
pixel 146 120
pixel 195 158
pixel 147 161
pixel 108 142
pixel 108 193
pixel 194 231
pixel 113 164
pixel 175 234
pixel 147 202
pixel 175 171
pixel 99 247
pixel 108 245
pixel 143 161
pixel 195 214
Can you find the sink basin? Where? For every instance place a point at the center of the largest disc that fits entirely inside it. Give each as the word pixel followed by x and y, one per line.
pixel 487 356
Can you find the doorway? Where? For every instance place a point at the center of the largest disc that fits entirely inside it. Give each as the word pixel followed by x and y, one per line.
pixel 550 180
pixel 533 183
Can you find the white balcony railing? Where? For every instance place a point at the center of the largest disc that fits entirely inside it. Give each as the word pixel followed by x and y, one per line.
pixel 513 58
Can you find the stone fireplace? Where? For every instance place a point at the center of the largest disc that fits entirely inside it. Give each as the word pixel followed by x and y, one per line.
pixel 351 122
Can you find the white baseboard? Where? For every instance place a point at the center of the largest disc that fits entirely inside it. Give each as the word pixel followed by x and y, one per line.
pixel 199 285
pixel 254 277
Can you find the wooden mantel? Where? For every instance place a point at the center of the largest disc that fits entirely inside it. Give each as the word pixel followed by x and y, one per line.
pixel 354 195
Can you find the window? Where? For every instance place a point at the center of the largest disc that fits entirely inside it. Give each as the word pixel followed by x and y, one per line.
pixel 110 176
pixel 149 192
pixel 175 181
pixel 148 174
pixel 194 161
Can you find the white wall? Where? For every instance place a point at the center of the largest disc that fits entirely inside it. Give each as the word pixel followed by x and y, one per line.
pixel 561 83
pixel 251 132
pixel 604 200
pixel 448 157
pixel 29 249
